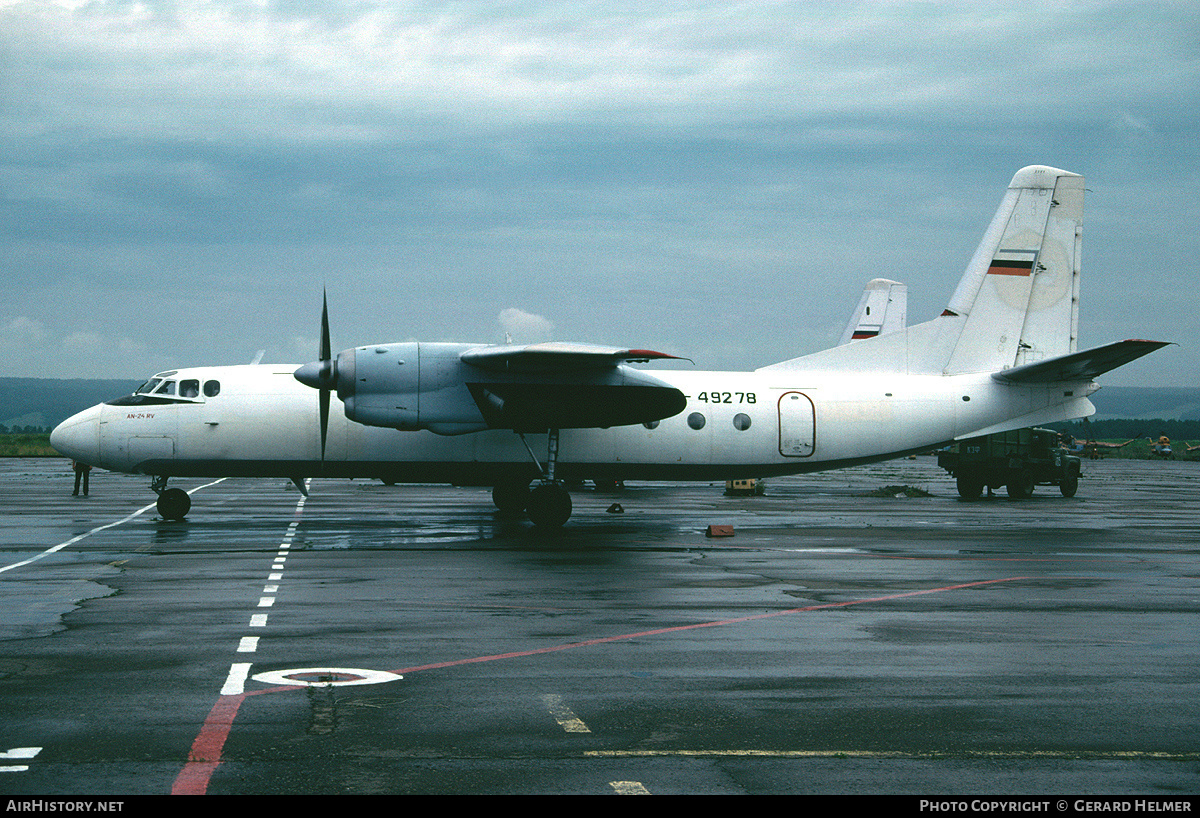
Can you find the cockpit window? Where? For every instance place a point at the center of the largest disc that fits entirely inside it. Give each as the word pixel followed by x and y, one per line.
pixel 162 390
pixel 212 388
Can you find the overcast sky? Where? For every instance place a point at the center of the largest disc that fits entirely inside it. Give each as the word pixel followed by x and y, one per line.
pixel 180 180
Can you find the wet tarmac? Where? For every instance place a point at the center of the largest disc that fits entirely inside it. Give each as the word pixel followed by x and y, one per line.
pixel 839 642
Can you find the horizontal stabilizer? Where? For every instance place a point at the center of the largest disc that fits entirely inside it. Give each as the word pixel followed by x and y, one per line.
pixel 555 356
pixel 1080 366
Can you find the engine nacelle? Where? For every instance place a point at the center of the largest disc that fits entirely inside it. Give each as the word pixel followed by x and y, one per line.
pixel 413 386
pixel 408 386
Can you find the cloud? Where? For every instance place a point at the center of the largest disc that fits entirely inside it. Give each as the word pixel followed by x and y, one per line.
pixel 191 172
pixel 23 330
pixel 84 344
pixel 525 327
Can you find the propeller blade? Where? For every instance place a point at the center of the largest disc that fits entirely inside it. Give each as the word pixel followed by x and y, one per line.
pixel 327 372
pixel 326 353
pixel 322 373
pixel 324 421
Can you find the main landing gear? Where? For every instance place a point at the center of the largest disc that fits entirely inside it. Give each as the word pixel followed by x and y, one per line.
pixel 546 500
pixel 173 504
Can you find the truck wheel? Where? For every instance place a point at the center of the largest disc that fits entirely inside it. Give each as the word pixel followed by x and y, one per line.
pixel 1020 487
pixel 970 486
pixel 1069 484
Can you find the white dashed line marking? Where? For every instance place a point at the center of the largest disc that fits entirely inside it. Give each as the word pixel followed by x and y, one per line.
pixel 235 682
pixel 16 753
pixel 249 644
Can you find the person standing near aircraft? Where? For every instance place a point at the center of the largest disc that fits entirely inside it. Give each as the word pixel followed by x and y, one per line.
pixel 82 470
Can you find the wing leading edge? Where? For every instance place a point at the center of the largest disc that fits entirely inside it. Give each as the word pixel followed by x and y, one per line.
pixel 556 356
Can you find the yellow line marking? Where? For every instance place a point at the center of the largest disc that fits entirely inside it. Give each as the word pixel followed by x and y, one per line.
pixel 629 787
pixel 563 715
pixel 1063 754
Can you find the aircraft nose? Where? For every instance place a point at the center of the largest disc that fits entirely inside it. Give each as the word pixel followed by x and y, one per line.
pixel 78 437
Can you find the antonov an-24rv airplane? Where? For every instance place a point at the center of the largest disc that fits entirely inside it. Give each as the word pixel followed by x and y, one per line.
pixel 1001 356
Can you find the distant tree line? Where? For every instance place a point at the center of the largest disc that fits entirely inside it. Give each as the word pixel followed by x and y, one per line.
pixel 1125 428
pixel 24 430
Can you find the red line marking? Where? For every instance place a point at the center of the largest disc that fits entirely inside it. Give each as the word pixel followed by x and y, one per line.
pixel 205 755
pixel 678 628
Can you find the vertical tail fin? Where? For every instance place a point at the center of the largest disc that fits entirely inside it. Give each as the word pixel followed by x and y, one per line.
pixel 1018 301
pixel 882 309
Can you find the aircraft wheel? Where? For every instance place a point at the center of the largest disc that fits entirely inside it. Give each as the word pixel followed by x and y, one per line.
pixel 511 497
pixel 970 486
pixel 174 504
pixel 549 505
pixel 1020 487
pixel 1069 484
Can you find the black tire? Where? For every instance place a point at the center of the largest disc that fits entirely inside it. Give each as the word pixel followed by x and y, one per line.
pixel 1020 487
pixel 511 497
pixel 549 505
pixel 174 504
pixel 970 486
pixel 1069 484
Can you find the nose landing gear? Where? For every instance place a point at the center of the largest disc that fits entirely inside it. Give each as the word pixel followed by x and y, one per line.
pixel 173 504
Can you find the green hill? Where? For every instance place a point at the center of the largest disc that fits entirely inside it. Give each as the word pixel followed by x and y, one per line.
pixel 1139 402
pixel 43 403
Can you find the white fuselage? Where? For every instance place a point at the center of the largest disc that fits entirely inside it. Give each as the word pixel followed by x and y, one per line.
pixel 262 422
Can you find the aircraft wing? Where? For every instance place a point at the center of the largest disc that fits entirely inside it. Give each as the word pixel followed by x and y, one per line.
pixel 567 385
pixel 555 356
pixel 1080 366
